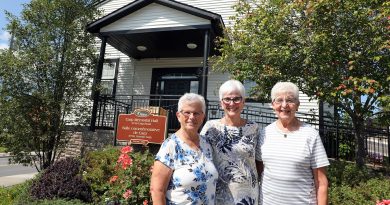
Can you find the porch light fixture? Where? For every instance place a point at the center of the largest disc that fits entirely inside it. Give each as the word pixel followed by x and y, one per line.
pixel 191 45
pixel 142 48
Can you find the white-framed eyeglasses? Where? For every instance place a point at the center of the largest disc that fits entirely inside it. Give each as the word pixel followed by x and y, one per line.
pixel 288 101
pixel 235 100
pixel 188 114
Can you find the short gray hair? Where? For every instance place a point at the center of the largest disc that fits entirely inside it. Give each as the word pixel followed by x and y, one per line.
pixel 191 97
pixel 231 85
pixel 285 87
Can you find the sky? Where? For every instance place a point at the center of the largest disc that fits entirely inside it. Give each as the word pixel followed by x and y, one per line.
pixel 13 6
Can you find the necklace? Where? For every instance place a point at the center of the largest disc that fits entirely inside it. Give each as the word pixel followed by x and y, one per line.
pixel 284 131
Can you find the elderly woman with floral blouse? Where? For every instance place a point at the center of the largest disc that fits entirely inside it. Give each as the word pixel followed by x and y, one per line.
pixel 234 140
pixel 183 172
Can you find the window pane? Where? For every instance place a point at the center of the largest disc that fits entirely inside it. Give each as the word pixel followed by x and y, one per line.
pixel 194 87
pixel 107 87
pixel 108 71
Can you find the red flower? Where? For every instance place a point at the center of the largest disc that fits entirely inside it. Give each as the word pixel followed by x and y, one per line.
pixel 125 161
pixel 383 202
pixel 126 150
pixel 113 179
pixel 127 194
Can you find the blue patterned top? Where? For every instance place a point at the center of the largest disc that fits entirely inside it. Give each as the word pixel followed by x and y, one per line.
pixel 194 175
pixel 234 158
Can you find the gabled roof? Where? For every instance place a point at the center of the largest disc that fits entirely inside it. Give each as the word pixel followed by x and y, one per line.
pixel 216 19
pixel 161 42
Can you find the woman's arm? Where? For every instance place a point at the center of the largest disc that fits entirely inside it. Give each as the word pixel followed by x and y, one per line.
pixel 321 183
pixel 161 176
pixel 260 168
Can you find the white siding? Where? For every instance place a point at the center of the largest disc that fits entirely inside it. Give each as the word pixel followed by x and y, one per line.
pixel 221 7
pixel 134 77
pixel 155 16
pixel 110 6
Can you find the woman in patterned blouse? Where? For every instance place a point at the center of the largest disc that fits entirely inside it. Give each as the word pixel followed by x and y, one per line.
pixel 234 140
pixel 183 172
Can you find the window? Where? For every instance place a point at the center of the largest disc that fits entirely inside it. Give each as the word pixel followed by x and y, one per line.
pixel 109 77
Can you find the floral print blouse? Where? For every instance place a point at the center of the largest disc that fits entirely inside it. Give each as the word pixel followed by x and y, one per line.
pixel 194 175
pixel 234 158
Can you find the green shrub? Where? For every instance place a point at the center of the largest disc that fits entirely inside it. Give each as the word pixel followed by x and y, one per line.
pixel 119 176
pixel 3 149
pixel 62 180
pixel 365 193
pixel 347 173
pixel 55 202
pixel 344 194
pixel 11 195
pixel 98 168
pixel 350 184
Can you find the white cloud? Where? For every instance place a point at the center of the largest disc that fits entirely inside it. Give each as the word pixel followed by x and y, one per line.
pixel 5 36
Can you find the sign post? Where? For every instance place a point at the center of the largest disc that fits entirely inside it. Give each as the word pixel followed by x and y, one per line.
pixel 141 127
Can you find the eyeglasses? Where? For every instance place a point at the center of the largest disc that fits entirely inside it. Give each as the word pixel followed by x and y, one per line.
pixel 288 101
pixel 234 100
pixel 188 114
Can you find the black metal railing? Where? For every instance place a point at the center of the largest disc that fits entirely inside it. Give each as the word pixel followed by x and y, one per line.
pixel 338 138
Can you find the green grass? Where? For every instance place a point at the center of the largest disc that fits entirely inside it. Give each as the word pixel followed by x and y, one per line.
pixel 3 149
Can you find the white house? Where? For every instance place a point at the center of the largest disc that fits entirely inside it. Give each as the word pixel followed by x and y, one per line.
pixel 152 51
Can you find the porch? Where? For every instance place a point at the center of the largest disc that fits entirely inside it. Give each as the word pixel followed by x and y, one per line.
pixel 338 138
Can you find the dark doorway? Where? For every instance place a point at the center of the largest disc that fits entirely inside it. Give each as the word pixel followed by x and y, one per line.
pixel 168 84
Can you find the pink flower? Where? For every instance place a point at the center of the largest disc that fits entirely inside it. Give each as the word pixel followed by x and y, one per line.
pixel 146 202
pixel 383 202
pixel 124 160
pixel 113 179
pixel 126 150
pixel 127 194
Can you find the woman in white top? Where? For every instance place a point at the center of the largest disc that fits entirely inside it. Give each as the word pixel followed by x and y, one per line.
pixel 234 140
pixel 183 172
pixel 293 155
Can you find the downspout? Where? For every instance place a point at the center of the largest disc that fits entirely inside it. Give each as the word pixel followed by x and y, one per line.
pixel 96 82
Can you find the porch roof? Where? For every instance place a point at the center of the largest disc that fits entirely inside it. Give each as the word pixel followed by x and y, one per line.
pixel 160 41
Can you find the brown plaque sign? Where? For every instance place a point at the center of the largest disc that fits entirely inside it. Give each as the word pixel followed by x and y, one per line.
pixel 140 127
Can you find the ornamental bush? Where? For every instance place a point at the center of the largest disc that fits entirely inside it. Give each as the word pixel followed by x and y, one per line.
pixel 62 180
pixel 350 184
pixel 98 167
pixel 119 176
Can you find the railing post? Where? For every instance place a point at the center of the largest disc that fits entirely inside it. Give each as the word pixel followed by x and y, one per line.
pixel 97 79
pixel 115 126
pixel 336 116
pixel 388 144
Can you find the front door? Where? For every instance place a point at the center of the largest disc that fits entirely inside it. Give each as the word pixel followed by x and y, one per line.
pixel 168 84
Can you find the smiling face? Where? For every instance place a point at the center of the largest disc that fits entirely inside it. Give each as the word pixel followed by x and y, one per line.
pixel 190 116
pixel 285 106
pixel 232 103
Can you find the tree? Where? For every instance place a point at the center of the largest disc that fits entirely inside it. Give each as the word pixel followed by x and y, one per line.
pixel 337 51
pixel 45 78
